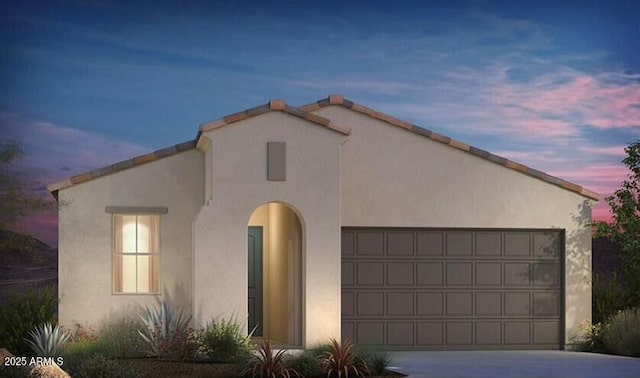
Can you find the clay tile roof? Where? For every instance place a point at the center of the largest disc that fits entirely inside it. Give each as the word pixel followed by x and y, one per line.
pixel 305 112
pixel 339 100
pixel 272 105
pixel 136 161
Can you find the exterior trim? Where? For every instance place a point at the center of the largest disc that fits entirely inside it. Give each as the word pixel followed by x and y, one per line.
pixel 136 210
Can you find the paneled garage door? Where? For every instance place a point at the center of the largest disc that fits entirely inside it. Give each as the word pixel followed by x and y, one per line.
pixel 452 289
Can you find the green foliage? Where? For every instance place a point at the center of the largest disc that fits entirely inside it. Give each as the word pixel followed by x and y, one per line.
pixel 269 364
pixel 223 341
pixel 625 228
pixel 342 361
pixel 306 364
pixel 166 332
pixel 20 314
pixel 99 366
pixel 609 296
pixel 590 340
pixel 76 352
pixel 621 335
pixel 14 371
pixel 119 338
pixel 378 362
pixel 45 340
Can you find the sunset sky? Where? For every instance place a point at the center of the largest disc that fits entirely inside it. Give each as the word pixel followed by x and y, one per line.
pixel 551 84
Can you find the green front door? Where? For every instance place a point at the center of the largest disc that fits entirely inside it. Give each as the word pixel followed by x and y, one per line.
pixel 255 279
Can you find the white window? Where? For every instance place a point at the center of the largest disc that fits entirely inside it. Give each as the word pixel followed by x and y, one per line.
pixel 136 263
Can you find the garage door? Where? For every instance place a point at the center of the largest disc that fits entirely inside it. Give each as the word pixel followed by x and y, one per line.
pixel 452 289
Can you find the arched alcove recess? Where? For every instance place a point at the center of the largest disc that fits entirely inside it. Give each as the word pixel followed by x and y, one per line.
pixel 275 248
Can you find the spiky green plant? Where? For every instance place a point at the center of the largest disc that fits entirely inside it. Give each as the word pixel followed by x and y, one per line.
pixel 166 331
pixel 378 362
pixel 341 360
pixel 269 364
pixel 46 340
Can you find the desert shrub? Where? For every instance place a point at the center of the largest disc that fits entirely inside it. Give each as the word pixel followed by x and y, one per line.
pixel 378 362
pixel 76 352
pixel 45 340
pixel 590 340
pixel 21 313
pixel 223 341
pixel 342 361
pixel 78 333
pixel 266 363
pixel 306 364
pixel 14 371
pixel 621 334
pixel 319 349
pixel 99 366
pixel 166 332
pixel 119 338
pixel 609 297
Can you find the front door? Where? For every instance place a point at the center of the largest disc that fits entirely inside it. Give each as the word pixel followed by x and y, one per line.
pixel 255 280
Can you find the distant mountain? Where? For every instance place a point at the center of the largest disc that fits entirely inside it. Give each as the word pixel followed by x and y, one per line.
pixel 25 260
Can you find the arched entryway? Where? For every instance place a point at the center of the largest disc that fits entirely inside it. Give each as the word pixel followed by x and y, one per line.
pixel 275 245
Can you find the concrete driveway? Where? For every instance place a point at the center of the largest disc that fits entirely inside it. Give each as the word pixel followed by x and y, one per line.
pixel 514 364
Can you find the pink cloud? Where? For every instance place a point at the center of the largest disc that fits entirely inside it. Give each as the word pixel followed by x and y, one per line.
pixel 600 212
pixel 561 102
pixel 612 150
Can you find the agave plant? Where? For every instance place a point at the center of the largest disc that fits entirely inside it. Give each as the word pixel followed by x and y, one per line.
pixel 166 331
pixel 341 360
pixel 270 365
pixel 46 340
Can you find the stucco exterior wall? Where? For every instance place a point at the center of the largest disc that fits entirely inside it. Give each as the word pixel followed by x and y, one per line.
pixel 239 186
pixel 86 236
pixel 393 177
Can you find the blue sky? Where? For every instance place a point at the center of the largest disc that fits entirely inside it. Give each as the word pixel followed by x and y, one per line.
pixel 551 84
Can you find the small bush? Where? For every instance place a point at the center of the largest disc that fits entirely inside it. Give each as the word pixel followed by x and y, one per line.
pixel 99 366
pixel 306 364
pixel 342 361
pixel 119 338
pixel 75 353
pixel 22 313
pixel 45 340
pixel 590 340
pixel 269 364
pixel 223 341
pixel 166 332
pixel 621 334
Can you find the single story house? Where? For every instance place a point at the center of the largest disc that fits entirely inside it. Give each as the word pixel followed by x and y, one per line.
pixel 327 220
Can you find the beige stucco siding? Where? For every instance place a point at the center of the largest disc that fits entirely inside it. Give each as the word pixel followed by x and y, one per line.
pixel 86 236
pixel 239 186
pixel 393 177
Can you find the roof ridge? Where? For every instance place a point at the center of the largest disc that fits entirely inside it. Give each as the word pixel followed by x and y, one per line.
pixel 336 99
pixel 272 105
